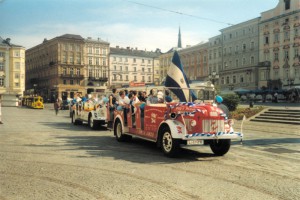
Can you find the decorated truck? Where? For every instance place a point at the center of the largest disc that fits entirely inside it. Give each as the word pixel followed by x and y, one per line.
pixel 174 124
pixel 91 111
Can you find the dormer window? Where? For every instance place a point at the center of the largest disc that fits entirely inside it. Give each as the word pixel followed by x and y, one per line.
pixel 287 4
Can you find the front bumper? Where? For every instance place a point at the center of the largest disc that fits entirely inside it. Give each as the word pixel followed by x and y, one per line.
pixel 218 135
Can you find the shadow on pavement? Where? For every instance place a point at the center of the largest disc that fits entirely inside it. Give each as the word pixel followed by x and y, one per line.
pixel 136 150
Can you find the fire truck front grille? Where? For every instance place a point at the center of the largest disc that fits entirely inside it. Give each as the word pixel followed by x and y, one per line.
pixel 212 126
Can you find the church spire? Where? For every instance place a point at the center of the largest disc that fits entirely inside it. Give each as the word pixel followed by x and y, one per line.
pixel 179 39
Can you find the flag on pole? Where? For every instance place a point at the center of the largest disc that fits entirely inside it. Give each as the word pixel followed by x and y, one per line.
pixel 176 78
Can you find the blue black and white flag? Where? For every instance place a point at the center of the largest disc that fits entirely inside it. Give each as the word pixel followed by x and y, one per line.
pixel 176 78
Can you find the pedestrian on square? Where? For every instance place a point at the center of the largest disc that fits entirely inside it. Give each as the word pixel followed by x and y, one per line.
pixel 56 106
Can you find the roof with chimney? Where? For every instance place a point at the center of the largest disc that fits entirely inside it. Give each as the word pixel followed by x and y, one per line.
pixel 70 36
pixel 98 40
pixel 6 43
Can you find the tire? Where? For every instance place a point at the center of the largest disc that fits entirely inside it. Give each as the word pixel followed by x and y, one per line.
pixel 169 145
pixel 119 132
pixel 91 123
pixel 220 147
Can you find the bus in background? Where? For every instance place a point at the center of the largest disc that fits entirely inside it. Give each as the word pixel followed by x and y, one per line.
pixel 33 102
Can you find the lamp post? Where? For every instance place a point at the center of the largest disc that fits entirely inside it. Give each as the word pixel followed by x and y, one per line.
pixel 213 76
pixel 290 82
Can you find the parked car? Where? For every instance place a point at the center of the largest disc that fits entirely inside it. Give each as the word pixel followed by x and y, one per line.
pixel 64 105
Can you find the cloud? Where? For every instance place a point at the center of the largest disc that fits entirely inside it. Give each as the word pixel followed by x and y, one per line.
pixel 120 34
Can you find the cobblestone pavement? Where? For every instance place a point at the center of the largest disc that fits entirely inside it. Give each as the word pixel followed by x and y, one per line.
pixel 44 156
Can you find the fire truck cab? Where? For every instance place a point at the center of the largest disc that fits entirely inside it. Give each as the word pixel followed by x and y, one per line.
pixel 171 125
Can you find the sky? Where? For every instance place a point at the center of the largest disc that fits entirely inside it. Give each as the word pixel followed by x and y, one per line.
pixel 145 24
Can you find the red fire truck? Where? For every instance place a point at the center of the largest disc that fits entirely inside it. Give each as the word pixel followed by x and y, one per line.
pixel 174 124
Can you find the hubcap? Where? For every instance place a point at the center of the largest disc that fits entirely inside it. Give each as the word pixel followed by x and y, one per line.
pixel 119 130
pixel 167 141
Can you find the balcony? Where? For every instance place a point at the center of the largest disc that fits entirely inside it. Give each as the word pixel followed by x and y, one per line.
pixel 100 79
pixel 71 76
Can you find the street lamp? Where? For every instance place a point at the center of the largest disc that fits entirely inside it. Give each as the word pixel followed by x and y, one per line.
pixel 213 76
pixel 290 81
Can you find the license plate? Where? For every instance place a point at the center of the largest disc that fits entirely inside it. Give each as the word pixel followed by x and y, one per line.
pixel 195 142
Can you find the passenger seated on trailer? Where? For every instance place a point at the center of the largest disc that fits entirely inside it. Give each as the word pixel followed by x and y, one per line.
pixel 168 98
pixel 160 97
pixel 152 98
pixel 124 103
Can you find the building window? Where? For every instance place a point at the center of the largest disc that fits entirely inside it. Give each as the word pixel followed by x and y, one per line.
pixel 17 53
pixel 121 68
pixel 222 81
pixel 120 59
pixel 276 56
pixel 78 71
pixel 2 54
pixel 90 60
pixel 276 37
pixel 126 77
pixel 90 72
pixel 71 47
pixel 17 75
pixel 252 45
pixel 78 58
pixel 241 79
pixel 97 51
pixel 64 71
pixel 135 78
pixel 1 66
pixel 143 60
pixel 244 47
pixel 149 61
pixel 149 70
pixel 97 73
pixel 77 82
pixel 234 79
pixel 267 40
pixel 252 60
pixel 77 47
pixel 65 82
pixel 296 55
pixel 287 4
pixel 134 60
pixel 149 78
pixel 286 55
pixel 66 47
pixel 227 80
pixel 17 66
pixel 236 63
pixel 97 61
pixel 71 58
pixel 90 50
pixel 126 68
pixel 65 57
pixel 296 31
pixel 126 59
pixel 71 82
pixel 143 78
pixel 143 69
pixel 17 84
pixel 134 69
pixel 244 61
pixel 1 82
pixel 115 67
pixel 72 71
pixel 286 35
pixel 104 51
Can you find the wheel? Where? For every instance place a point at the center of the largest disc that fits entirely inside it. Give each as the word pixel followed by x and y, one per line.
pixel 220 147
pixel 91 123
pixel 169 145
pixel 119 132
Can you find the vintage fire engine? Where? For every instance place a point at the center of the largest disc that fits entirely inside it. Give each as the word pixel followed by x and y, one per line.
pixel 90 111
pixel 173 124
